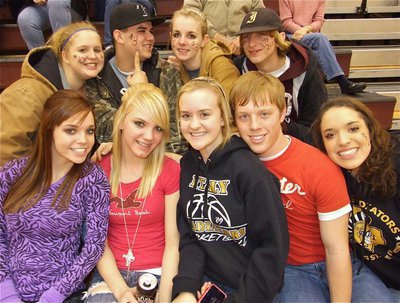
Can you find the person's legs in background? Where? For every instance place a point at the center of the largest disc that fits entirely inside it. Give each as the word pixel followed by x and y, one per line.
pixel 323 49
pixel 59 13
pixel 32 21
pixel 396 294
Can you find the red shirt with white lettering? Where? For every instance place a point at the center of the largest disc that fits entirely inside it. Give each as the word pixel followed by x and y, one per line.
pixel 148 248
pixel 312 189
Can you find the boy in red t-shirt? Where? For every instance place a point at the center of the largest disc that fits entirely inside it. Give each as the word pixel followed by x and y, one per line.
pixel 313 191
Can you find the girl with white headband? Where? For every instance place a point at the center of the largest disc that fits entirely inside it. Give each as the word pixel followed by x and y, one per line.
pixel 72 56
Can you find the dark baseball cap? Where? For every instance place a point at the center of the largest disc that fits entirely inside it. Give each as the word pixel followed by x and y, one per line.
pixel 259 20
pixel 128 14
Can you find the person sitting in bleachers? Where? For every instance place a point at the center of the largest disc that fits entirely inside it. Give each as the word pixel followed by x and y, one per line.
pixel 224 18
pixel 197 55
pixel 38 16
pixel 72 57
pixel 302 20
pixel 267 49
pixel 109 6
pixel 131 26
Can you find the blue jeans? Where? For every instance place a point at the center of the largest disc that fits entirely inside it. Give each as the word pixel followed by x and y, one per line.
pixel 396 294
pixel 309 283
pixel 110 4
pixel 323 49
pixel 107 296
pixel 35 19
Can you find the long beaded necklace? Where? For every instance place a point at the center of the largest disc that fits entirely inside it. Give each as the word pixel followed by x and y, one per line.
pixel 129 256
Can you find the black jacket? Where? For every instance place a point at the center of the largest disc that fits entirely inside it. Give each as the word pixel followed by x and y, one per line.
pixel 159 73
pixel 312 93
pixel 375 226
pixel 111 81
pixel 232 225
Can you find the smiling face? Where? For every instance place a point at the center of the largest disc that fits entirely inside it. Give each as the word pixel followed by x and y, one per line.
pixel 140 134
pixel 200 120
pixel 260 127
pixel 84 55
pixel 187 40
pixel 260 48
pixel 73 139
pixel 346 137
pixel 139 38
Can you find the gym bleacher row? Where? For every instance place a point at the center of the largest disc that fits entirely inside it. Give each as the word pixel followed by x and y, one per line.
pixel 365 35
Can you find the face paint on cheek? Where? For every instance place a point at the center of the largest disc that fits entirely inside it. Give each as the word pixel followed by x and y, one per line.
pixel 134 39
pixel 267 43
pixel 82 60
pixel 174 42
pixel 195 45
pixel 364 135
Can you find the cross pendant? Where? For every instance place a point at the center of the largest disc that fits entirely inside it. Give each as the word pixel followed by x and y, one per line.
pixel 129 257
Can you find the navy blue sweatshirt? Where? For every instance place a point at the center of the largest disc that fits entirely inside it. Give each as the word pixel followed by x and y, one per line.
pixel 232 225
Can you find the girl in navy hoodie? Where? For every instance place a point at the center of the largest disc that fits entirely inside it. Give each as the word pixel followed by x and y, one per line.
pixel 232 225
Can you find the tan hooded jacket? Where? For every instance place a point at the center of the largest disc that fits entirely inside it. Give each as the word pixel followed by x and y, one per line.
pixel 21 106
pixel 215 63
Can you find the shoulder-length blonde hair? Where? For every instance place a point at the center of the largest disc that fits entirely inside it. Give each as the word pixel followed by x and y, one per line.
pixel 37 176
pixel 223 103
pixel 378 169
pixel 143 97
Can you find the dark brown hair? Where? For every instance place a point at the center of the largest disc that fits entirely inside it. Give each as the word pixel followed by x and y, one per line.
pixel 36 178
pixel 377 171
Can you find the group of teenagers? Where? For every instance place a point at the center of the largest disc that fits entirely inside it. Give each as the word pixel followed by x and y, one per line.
pixel 279 195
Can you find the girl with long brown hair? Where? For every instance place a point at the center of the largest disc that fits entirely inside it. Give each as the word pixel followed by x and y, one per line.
pixel 47 201
pixel 347 131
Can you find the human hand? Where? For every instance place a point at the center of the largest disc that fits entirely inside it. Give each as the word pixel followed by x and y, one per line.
pixel 234 45
pixel 301 32
pixel 103 150
pixel 128 296
pixel 185 297
pixel 40 2
pixel 205 286
pixel 138 75
pixel 174 61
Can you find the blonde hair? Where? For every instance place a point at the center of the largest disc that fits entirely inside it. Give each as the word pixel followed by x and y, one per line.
pixel 143 97
pixel 223 103
pixel 257 87
pixel 60 39
pixel 282 43
pixel 195 14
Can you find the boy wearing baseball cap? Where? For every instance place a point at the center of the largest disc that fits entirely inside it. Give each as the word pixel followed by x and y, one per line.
pixel 267 50
pixel 131 26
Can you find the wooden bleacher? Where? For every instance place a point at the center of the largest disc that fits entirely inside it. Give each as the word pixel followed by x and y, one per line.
pixel 372 55
pixel 373 34
pixel 354 7
pixel 355 29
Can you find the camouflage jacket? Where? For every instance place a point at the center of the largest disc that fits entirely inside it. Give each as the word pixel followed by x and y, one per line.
pixel 105 105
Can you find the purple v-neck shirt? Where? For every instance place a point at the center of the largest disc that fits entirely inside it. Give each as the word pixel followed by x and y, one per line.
pixel 40 254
